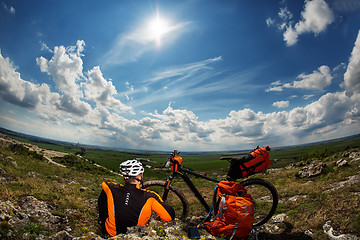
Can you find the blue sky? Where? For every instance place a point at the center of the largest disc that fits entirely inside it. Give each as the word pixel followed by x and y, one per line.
pixel 190 75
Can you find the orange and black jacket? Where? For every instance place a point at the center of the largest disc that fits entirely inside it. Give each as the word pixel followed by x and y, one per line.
pixel 125 206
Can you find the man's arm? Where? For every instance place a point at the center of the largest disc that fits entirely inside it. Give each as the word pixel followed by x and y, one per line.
pixel 103 210
pixel 164 210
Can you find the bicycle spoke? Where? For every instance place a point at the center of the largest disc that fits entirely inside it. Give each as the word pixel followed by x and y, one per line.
pixel 265 197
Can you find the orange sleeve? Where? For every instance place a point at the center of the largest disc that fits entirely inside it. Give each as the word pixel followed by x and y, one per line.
pixel 110 221
pixel 162 211
pixel 153 205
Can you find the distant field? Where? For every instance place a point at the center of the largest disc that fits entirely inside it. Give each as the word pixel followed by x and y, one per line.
pixel 286 156
pixel 208 162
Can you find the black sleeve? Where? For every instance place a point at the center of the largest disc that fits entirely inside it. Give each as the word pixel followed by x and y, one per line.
pixel 103 207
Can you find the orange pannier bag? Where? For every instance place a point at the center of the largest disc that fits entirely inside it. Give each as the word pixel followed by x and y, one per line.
pixel 256 161
pixel 175 162
pixel 235 216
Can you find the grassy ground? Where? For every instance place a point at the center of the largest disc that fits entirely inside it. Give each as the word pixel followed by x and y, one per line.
pixel 57 186
pixel 314 205
pixel 60 187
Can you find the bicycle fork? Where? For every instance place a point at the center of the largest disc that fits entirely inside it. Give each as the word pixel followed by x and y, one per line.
pixel 166 190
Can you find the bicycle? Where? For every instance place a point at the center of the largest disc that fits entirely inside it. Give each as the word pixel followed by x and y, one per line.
pixel 263 193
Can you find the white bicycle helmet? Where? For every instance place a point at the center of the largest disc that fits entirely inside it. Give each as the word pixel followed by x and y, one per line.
pixel 131 168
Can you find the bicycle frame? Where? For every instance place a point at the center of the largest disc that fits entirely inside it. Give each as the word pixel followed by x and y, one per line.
pixel 182 172
pixel 266 209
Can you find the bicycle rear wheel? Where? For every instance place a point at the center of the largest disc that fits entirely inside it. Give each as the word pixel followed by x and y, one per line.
pixel 173 196
pixel 266 199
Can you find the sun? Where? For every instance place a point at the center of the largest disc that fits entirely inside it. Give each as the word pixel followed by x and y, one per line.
pixel 158 27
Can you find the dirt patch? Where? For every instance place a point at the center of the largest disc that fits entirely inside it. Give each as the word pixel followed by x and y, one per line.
pixel 48 154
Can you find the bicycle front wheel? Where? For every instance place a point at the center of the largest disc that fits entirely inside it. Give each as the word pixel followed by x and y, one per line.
pixel 266 199
pixel 173 196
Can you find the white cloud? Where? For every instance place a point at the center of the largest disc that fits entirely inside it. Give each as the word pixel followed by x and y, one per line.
pixel 281 104
pixel 285 14
pixel 101 91
pixel 188 80
pixel 65 68
pixel 69 104
pixel 306 97
pixel 10 9
pixel 269 22
pixel 332 115
pixel 15 90
pixel 290 36
pixel 185 71
pixel 352 74
pixel 317 80
pixel 315 18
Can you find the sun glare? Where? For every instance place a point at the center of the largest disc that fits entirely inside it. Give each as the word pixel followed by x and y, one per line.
pixel 157 28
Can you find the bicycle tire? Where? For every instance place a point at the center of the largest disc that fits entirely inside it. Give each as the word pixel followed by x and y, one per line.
pixel 261 217
pixel 180 204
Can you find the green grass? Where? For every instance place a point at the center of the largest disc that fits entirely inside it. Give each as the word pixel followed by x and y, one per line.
pixel 59 187
pixel 199 161
pixel 315 151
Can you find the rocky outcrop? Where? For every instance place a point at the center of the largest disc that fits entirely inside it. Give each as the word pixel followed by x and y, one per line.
pixel 352 180
pixel 328 229
pixel 312 170
pixel 40 211
pixel 30 212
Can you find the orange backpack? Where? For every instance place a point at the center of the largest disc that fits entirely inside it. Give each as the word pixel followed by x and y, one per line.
pixel 256 161
pixel 235 216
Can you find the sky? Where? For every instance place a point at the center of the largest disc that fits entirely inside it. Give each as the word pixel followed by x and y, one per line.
pixel 192 75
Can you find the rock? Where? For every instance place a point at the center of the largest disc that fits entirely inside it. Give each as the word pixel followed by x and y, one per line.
pixel 13 215
pixel 313 169
pixel 355 160
pixel 342 163
pixel 88 236
pixel 84 189
pixel 328 229
pixel 279 218
pixel 352 180
pixel 2 172
pixel 354 155
pixel 290 166
pixel 33 174
pixel 62 235
pixel 41 211
pixel 274 170
pixel 14 163
pixel 308 233
pixel 297 198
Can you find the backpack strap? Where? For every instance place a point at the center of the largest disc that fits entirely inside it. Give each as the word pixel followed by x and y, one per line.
pixel 222 208
pixel 252 168
pixel 233 233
